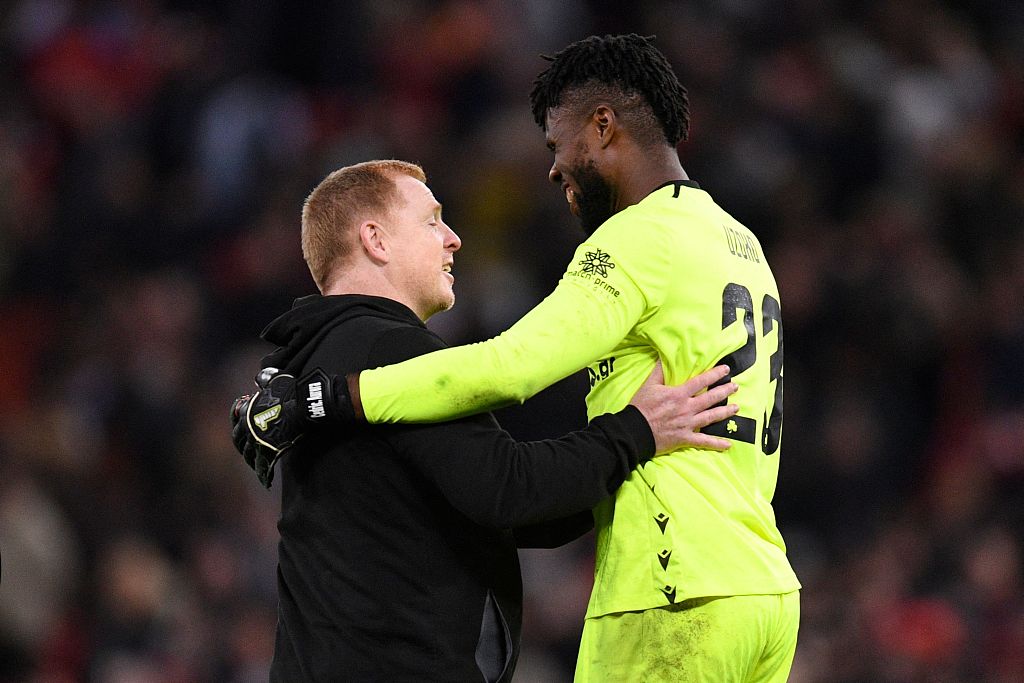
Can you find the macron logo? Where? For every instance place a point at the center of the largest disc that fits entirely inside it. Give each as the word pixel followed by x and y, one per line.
pixel 315 402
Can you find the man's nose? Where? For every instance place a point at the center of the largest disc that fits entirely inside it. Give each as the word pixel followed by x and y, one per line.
pixel 454 242
pixel 554 175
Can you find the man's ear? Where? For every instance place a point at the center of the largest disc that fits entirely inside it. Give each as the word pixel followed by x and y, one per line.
pixel 606 124
pixel 374 241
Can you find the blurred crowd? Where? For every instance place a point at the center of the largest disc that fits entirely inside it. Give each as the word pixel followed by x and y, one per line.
pixel 154 155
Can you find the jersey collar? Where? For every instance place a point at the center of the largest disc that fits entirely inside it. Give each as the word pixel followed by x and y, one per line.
pixel 677 184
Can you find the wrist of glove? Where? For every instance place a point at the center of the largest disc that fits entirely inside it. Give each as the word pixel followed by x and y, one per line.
pixel 268 424
pixel 324 400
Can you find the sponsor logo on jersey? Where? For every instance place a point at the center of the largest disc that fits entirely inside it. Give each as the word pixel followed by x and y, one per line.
pixel 595 266
pixel 597 262
pixel 601 370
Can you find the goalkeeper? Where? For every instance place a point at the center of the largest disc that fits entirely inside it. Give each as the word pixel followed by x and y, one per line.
pixel 691 580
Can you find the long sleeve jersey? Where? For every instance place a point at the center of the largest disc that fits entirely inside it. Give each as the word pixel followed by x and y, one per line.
pixel 673 277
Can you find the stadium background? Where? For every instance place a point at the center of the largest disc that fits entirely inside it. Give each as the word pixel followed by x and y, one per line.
pixel 153 159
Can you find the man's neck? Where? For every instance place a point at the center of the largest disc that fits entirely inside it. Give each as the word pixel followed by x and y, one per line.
pixel 369 284
pixel 645 171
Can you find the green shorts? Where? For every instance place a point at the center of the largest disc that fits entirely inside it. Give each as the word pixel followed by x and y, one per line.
pixel 732 639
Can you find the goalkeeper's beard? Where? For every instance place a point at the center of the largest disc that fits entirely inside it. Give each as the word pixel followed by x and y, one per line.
pixel 594 198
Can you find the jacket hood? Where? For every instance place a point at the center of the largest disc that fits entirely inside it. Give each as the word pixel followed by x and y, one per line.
pixel 298 332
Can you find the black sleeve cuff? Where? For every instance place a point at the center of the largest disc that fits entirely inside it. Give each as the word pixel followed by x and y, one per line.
pixel 629 433
pixel 639 431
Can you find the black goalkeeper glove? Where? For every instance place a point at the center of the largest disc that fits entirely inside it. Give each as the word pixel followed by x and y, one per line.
pixel 260 428
pixel 266 425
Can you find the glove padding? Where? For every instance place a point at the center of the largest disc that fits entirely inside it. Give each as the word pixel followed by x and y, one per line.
pixel 268 424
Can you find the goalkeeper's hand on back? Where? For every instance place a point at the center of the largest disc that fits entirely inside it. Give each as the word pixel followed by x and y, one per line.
pixel 266 425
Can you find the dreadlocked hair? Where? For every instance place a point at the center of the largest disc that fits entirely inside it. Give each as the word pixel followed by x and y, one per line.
pixel 627 66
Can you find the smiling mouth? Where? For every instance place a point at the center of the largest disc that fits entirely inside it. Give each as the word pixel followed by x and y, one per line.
pixel 570 197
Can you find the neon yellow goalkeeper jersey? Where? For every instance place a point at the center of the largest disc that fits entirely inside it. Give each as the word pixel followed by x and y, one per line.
pixel 674 277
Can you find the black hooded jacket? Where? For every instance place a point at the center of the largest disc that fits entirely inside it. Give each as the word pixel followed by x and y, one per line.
pixel 397 561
